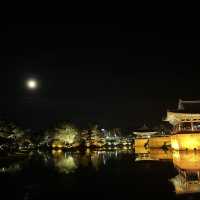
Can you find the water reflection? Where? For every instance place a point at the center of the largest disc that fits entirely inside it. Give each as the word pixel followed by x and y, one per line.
pixel 181 168
pixel 143 154
pixel 64 162
pixel 186 163
pixel 68 162
pixel 188 167
pixel 102 158
pixel 159 154
pixel 13 163
pixel 99 158
pixel 10 168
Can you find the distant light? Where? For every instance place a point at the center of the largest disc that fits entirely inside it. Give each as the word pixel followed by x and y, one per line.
pixel 102 129
pixel 32 84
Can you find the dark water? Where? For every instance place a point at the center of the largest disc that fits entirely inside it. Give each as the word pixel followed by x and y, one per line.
pixel 116 174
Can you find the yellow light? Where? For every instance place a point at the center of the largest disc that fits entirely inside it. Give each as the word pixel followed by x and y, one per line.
pixel 176 155
pixel 185 142
pixel 66 165
pixel 32 84
pixel 174 144
pixel 187 160
pixel 191 144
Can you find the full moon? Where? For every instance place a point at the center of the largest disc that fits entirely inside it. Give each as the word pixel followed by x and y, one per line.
pixel 31 84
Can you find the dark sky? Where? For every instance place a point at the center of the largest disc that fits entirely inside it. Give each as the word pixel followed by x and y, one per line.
pixel 107 74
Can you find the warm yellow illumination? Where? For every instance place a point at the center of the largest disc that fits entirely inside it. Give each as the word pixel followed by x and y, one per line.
pixel 158 142
pixel 175 118
pixel 186 141
pixel 187 160
pixel 66 164
pixel 141 150
pixel 66 135
pixel 140 142
pixel 159 154
pixel 188 165
pixel 174 144
pixel 32 84
pixel 176 155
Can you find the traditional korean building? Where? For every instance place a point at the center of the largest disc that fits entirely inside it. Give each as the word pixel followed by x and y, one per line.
pixel 143 135
pixel 186 125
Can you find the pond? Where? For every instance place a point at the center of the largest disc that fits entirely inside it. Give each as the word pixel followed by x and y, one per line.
pixel 110 174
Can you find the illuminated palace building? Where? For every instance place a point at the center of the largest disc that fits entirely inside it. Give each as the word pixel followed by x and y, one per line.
pixel 150 139
pixel 186 126
pixel 142 136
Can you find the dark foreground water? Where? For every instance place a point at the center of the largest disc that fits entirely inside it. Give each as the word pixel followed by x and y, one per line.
pixel 113 174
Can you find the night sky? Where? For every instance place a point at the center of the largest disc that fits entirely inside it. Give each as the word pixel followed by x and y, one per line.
pixel 112 75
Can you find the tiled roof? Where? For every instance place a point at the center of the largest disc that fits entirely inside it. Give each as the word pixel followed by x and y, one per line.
pixel 188 107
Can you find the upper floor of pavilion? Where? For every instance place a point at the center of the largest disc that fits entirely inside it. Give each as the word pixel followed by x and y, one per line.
pixel 186 117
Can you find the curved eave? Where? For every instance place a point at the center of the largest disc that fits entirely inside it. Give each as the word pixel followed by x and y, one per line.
pixel 144 133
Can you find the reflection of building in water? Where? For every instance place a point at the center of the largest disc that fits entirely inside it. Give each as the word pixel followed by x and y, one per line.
pixel 152 154
pixel 159 154
pixel 142 153
pixel 188 166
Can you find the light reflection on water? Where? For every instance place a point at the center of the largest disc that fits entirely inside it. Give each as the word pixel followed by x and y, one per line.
pixel 11 168
pixel 64 163
pixel 188 167
pixel 68 162
pixel 186 164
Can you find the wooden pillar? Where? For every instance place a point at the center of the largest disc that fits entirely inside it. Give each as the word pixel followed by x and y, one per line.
pixel 192 126
pixel 179 127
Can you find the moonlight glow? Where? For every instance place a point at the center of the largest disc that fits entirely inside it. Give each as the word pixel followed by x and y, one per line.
pixel 31 84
